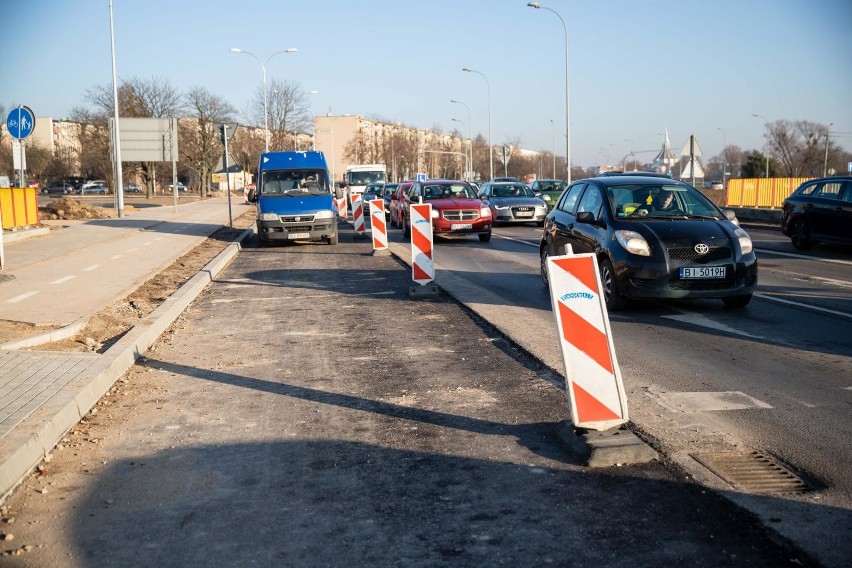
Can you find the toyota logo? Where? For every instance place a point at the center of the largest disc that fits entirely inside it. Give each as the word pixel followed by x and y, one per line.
pixel 701 248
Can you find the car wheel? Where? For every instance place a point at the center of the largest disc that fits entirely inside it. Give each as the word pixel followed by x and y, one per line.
pixel 800 235
pixel 406 230
pixel 737 301
pixel 540 223
pixel 543 255
pixel 333 240
pixel 485 237
pixel 612 297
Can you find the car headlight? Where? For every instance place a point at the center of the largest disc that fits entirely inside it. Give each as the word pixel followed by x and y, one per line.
pixel 633 242
pixel 485 212
pixel 501 207
pixel 324 214
pixel 745 241
pixel 546 197
pixel 269 217
pixel 435 213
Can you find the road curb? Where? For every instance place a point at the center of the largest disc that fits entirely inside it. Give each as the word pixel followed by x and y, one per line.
pixel 72 405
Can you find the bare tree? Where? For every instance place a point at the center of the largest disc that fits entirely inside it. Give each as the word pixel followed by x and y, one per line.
pixel 201 147
pixel 288 112
pixel 138 98
pixel 798 147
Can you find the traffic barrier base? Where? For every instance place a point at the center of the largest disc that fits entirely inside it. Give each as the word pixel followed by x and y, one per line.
pixel 423 291
pixel 604 449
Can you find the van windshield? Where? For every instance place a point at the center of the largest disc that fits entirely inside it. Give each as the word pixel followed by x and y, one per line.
pixel 363 178
pixel 293 183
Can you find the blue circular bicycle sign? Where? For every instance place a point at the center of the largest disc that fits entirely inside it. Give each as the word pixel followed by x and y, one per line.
pixel 20 122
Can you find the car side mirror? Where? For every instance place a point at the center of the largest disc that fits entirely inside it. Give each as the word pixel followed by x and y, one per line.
pixel 252 195
pixel 589 218
pixel 731 216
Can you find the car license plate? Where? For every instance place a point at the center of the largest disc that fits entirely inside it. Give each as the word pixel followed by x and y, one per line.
pixel 299 236
pixel 524 214
pixel 459 227
pixel 703 272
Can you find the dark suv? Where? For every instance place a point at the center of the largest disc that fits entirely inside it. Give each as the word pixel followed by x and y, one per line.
pixel 653 238
pixel 820 210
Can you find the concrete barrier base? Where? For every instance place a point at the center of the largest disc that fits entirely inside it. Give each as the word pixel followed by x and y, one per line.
pixel 604 449
pixel 422 291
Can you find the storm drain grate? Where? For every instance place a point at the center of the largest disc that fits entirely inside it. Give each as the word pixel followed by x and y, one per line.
pixel 752 472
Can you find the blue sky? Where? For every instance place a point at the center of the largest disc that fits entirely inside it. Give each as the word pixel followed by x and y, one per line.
pixel 636 68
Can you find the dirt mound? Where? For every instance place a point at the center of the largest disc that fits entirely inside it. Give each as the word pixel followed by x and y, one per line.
pixel 71 209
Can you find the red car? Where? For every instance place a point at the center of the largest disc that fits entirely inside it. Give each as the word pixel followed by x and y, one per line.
pixel 397 204
pixel 456 209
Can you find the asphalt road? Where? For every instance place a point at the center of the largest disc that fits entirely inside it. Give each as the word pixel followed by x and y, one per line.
pixel 305 412
pixel 773 379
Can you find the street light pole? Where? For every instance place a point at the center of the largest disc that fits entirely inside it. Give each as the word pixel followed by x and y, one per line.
pixel 825 161
pixel 767 153
pixel 469 137
pixel 490 146
pixel 313 134
pixel 724 154
pixel 466 157
pixel 265 97
pixel 553 124
pixel 538 6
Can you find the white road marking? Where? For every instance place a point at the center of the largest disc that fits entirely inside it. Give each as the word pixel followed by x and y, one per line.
pixel 90 268
pixel 801 305
pixel 63 279
pixel 804 257
pixel 703 321
pixel 22 297
pixel 116 257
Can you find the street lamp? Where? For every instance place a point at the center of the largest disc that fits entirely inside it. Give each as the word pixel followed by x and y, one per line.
pixel 265 97
pixel 767 153
pixel 490 146
pixel 313 134
pixel 538 6
pixel 466 158
pixel 469 136
pixel 724 154
pixel 553 124
pixel 825 161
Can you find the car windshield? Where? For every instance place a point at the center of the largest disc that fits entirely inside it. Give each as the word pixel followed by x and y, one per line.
pixel 373 189
pixel 293 183
pixel 672 200
pixel 448 191
pixel 513 190
pixel 557 185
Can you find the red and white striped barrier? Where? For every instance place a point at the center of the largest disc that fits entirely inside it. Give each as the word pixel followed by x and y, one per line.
pixel 422 264
pixel 358 214
pixel 342 209
pixel 593 379
pixel 378 225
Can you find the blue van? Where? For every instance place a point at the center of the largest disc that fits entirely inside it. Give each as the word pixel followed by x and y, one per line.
pixel 294 198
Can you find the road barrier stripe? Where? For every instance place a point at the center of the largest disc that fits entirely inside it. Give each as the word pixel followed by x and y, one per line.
pixel 378 227
pixel 422 263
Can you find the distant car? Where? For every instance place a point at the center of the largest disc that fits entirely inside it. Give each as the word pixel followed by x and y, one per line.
pixel 510 178
pixel 387 193
pixel 634 173
pixel 59 187
pixel 549 190
pixel 513 202
pixel 98 187
pixel 398 203
pixel 654 238
pixel 715 184
pixel 132 188
pixel 819 211
pixel 456 209
pixel 371 191
pixel 180 187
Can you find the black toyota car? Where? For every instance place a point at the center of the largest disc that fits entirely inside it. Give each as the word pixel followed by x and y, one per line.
pixel 653 238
